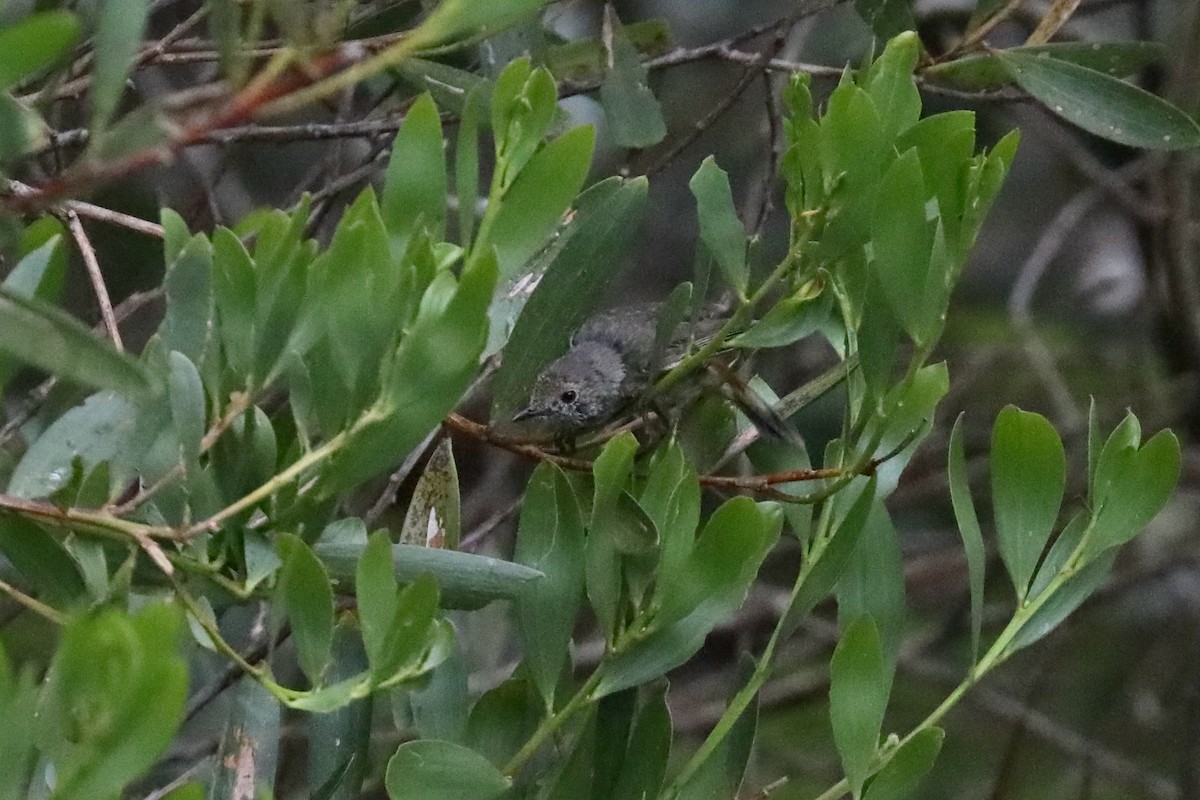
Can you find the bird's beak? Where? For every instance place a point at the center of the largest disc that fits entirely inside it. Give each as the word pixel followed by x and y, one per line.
pixel 529 412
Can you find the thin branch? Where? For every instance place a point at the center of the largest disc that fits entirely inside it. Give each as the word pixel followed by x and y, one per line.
pixel 758 484
pixel 95 212
pixel 276 82
pixel 239 402
pixel 481 531
pixel 387 498
pixel 95 276
pixel 754 69
pixel 32 603
pixel 194 771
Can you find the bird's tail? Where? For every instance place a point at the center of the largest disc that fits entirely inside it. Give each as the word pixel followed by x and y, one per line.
pixel 758 411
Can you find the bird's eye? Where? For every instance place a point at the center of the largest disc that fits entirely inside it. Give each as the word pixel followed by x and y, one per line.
pixel 568 396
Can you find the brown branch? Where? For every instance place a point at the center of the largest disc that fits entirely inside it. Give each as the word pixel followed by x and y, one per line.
pixel 763 485
pixel 754 68
pixel 92 264
pixel 95 212
pixel 240 108
pixel 520 447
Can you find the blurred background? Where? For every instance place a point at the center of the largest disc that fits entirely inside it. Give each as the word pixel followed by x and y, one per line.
pixel 1084 288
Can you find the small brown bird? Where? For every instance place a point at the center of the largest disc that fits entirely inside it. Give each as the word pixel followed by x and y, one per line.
pixel 612 365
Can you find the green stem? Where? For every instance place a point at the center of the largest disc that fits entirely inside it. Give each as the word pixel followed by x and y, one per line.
pixel 259 674
pixel 741 700
pixel 278 481
pixel 996 655
pixel 694 360
pixel 553 722
pixel 33 604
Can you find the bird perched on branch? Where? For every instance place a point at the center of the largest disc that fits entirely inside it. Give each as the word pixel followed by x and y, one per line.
pixel 616 357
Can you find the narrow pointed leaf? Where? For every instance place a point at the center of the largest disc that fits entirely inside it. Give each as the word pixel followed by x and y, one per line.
pixel 720 229
pixel 56 342
pixel 550 540
pixel 858 694
pixel 1102 104
pixel 968 528
pixel 415 185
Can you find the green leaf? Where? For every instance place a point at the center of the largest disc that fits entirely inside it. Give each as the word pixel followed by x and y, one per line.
pixel 901 239
pixel 450 86
pixel 35 43
pixel 549 539
pixel 604 581
pixel 891 86
pixel 968 528
pixel 829 563
pixel 503 719
pixel 249 747
pixel 859 684
pixel 234 299
pixel 376 589
pixel 1028 479
pixel 440 707
pixel 539 197
pixel 908 411
pixel 645 758
pixel 339 742
pixel 720 229
pixel 112 700
pixel 429 769
pixel 412 645
pixel 946 146
pixel 466 162
pixel 887 18
pixel 304 595
pixel 903 772
pixel 50 339
pixel 119 32
pixel 614 513
pixel 175 234
pixel 872 584
pixel 634 115
pixel 39 274
pixel 465 580
pixel 597 239
pixel 42 561
pixel 1131 494
pixel 425 378
pixel 21 128
pixel 414 189
pixel 1101 104
pixel 1071 594
pixel 671 498
pixel 186 393
pixel 610 740
pixel 455 17
pixel 18 706
pixel 721 568
pixel 721 775
pixel 524 103
pixel 94 432
pixel 432 519
pixel 788 321
pixel 586 60
pixel 985 71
